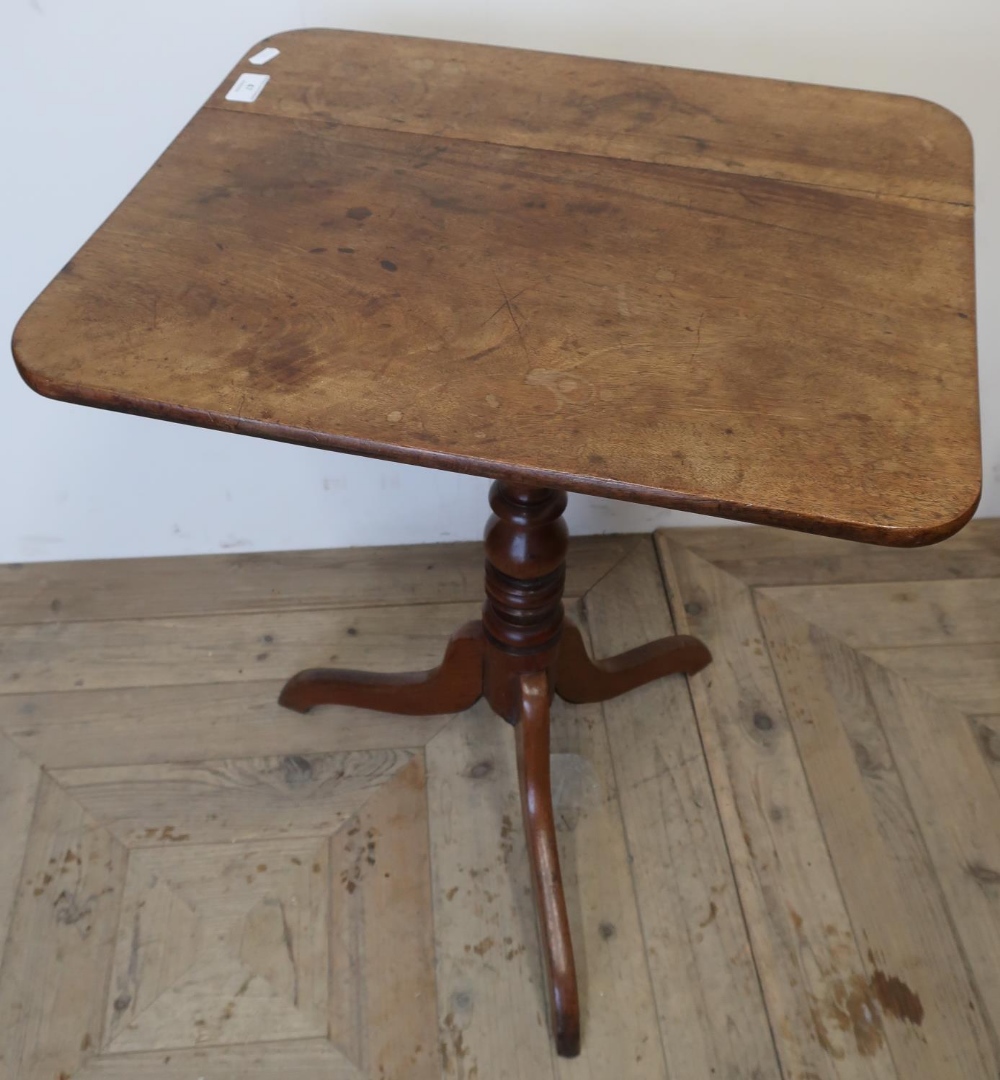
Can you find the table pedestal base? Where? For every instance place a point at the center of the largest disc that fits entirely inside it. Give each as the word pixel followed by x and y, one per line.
pixel 521 653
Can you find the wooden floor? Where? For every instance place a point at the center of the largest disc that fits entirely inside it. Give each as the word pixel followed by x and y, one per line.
pixel 789 867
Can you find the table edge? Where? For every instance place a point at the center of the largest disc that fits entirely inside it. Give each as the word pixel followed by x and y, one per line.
pixel 348 31
pixel 864 531
pixel 948 115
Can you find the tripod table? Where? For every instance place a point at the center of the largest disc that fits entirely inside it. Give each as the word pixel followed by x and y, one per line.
pixel 742 297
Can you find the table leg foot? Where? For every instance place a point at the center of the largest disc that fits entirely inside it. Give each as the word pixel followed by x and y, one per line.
pixel 455 685
pixel 532 736
pixel 579 679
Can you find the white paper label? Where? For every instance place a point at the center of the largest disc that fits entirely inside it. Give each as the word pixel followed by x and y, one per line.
pixel 264 55
pixel 247 87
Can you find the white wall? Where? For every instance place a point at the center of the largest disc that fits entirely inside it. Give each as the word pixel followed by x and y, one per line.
pixel 90 93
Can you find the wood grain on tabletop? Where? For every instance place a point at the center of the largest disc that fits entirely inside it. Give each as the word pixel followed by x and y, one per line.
pixel 737 296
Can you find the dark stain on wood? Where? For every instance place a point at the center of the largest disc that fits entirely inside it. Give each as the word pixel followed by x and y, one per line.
pixel 359 213
pixel 868 765
pixel 858 1006
pixel 167 833
pixel 896 998
pixel 984 875
pixel 855 1011
pixel 214 194
pixel 485 352
pixel 290 362
pixel 989 741
pixel 296 770
pixel 483 947
pixel 762 722
pixel 850 1008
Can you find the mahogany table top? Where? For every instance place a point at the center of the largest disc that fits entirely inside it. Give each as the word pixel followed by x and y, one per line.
pixel 730 295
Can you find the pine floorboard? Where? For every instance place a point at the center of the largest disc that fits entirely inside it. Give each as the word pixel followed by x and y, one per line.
pixel 786 867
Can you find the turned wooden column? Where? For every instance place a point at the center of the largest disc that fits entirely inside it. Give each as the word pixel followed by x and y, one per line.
pixel 521 653
pixel 526 541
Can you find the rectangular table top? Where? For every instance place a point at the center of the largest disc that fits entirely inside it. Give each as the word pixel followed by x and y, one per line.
pixel 735 296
